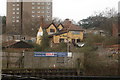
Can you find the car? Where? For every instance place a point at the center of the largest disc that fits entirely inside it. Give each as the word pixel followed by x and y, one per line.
pixel 80 44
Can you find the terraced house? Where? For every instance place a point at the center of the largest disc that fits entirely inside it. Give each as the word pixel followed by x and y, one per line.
pixel 63 32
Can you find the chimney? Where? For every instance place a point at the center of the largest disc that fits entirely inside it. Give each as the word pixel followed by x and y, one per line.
pixel 67 22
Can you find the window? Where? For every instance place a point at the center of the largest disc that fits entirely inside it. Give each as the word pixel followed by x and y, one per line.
pixel 61 40
pixel 38 7
pixel 48 11
pixel 33 3
pixel 48 15
pixel 42 11
pixel 52 30
pixel 17 20
pixel 78 40
pixel 48 3
pixel 42 7
pixel 33 7
pixel 13 12
pixel 17 4
pixel 33 11
pixel 42 15
pixel 48 7
pixel 17 13
pixel 17 17
pixel 13 20
pixel 38 11
pixel 38 3
pixel 73 40
pixel 13 17
pixel 13 4
pixel 47 19
pixel 38 16
pixel 75 32
pixel 13 8
pixel 33 15
pixel 42 3
pixel 18 0
pixel 17 9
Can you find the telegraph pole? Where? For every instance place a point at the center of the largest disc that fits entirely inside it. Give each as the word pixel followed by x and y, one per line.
pixel 118 43
pixel 118 38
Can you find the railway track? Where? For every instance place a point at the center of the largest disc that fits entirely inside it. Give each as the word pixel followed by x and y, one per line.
pixel 49 74
pixel 41 72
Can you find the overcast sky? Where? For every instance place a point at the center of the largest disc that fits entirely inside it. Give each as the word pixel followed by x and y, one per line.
pixel 74 9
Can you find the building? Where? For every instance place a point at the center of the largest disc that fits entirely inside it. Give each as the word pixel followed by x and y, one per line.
pixel 23 17
pixel 0 24
pixel 13 53
pixel 62 32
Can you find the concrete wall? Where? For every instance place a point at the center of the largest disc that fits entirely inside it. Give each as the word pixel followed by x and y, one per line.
pixel 51 62
pixel 16 60
pixel 11 60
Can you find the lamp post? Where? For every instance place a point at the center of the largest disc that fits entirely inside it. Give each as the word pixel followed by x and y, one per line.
pixel 22 60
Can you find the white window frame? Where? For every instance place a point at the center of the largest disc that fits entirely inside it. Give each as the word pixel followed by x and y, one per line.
pixel 17 17
pixel 33 16
pixel 48 7
pixel 18 4
pixel 38 16
pixel 43 7
pixel 38 3
pixel 33 7
pixel 13 20
pixel 33 3
pixel 13 12
pixel 48 15
pixel 38 12
pixel 42 3
pixel 13 17
pixel 18 1
pixel 48 3
pixel 38 7
pixel 13 8
pixel 33 11
pixel 13 4
pixel 17 8
pixel 17 12
pixel 42 12
pixel 17 21
pixel 48 11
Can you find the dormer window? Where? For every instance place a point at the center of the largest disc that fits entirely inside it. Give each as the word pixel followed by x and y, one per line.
pixel 52 30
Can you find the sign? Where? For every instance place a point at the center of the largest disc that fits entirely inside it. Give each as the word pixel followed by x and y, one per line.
pixel 52 54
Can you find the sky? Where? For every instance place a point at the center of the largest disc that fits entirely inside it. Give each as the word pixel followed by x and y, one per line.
pixel 74 9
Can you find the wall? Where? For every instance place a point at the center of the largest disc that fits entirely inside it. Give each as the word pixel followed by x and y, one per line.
pixel 51 62
pixel 29 61
pixel 69 36
pixel 60 27
pixel 11 60
pixel 51 27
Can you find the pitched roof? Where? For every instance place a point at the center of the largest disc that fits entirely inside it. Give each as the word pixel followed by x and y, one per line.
pixel 71 27
pixel 67 26
pixel 16 44
pixel 60 24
